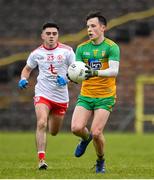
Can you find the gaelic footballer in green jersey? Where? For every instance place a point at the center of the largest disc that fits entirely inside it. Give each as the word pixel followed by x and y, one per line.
pixel 98 92
pixel 98 57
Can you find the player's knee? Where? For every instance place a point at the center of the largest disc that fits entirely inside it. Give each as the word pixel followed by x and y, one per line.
pixel 96 134
pixel 42 124
pixel 76 129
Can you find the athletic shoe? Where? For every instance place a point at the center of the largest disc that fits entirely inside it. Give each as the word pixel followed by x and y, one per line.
pixel 81 147
pixel 100 167
pixel 42 165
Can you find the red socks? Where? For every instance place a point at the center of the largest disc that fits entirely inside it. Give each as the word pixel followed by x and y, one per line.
pixel 41 155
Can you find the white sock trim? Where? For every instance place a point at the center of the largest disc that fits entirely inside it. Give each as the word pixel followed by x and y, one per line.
pixel 41 152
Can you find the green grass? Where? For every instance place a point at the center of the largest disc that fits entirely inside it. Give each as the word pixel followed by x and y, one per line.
pixel 127 156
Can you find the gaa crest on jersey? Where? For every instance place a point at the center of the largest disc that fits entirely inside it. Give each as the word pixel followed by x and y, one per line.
pixel 95 52
pixel 59 58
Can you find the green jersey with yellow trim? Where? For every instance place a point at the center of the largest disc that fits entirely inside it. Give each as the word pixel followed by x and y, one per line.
pixel 97 57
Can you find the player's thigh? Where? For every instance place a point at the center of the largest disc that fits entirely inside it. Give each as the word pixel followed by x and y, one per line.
pixel 99 121
pixel 80 117
pixel 42 111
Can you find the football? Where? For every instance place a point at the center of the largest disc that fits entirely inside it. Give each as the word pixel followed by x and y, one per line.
pixel 76 71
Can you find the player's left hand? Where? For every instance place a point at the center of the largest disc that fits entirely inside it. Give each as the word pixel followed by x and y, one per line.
pixel 61 81
pixel 90 72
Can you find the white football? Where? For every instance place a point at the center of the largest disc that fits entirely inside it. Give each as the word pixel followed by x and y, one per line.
pixel 76 71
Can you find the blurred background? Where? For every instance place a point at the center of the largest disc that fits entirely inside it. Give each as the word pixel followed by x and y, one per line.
pixel 130 24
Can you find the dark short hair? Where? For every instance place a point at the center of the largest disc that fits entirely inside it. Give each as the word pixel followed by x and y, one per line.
pixel 50 24
pixel 98 15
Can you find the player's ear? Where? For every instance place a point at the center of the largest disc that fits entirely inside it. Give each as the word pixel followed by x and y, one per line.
pixel 104 28
pixel 42 36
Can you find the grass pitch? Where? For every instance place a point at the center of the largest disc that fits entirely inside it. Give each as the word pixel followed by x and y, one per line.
pixel 127 156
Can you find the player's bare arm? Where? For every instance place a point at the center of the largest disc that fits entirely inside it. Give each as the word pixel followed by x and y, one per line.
pixel 26 72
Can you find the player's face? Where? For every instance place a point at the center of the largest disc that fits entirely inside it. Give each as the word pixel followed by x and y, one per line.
pixel 50 37
pixel 95 29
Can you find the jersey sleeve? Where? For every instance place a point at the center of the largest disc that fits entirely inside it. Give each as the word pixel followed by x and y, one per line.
pixel 71 57
pixel 31 61
pixel 78 54
pixel 114 53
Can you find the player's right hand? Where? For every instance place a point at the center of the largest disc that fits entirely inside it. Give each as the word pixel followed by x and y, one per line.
pixel 22 83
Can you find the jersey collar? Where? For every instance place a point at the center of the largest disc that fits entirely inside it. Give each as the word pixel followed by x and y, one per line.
pixel 50 48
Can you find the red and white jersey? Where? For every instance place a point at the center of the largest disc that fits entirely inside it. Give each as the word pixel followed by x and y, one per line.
pixel 51 62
